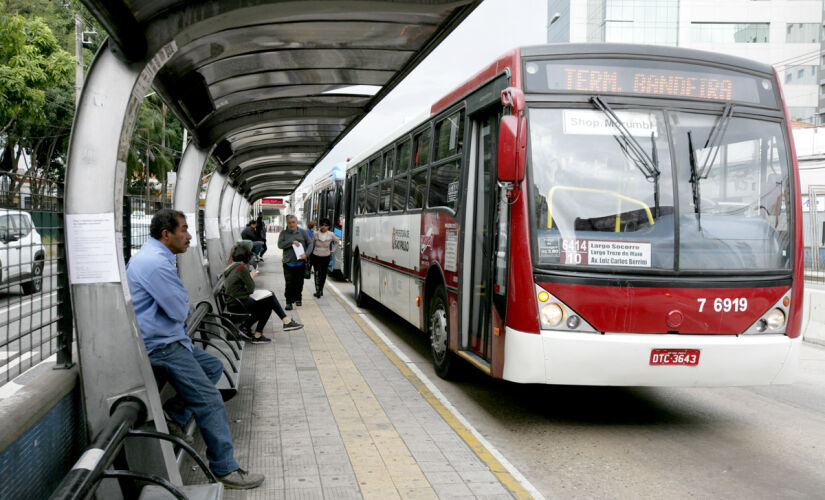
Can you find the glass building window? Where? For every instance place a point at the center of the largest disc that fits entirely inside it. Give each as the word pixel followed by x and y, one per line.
pixel 801 75
pixel 730 32
pixel 802 33
pixel 633 21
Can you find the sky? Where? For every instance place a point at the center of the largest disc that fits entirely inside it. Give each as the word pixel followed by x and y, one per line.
pixel 492 29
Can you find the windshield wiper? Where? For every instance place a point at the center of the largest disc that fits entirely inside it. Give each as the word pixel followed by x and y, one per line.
pixel 631 147
pixel 712 145
pixel 694 181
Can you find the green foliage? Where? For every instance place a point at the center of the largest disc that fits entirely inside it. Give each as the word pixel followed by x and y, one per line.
pixel 36 107
pixel 155 147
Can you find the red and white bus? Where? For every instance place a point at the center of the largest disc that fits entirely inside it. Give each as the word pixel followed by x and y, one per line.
pixel 592 214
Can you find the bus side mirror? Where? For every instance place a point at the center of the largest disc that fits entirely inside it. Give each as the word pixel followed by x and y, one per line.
pixel 507 147
pixel 512 144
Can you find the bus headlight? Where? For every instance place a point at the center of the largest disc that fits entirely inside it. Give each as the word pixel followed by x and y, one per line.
pixel 551 314
pixel 775 319
pixel 554 314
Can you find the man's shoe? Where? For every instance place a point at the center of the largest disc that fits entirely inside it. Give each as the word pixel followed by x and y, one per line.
pixel 241 480
pixel 292 325
pixel 261 340
pixel 298 303
pixel 176 430
pixel 288 306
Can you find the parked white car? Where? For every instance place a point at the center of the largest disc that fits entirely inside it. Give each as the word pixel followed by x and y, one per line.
pixel 21 251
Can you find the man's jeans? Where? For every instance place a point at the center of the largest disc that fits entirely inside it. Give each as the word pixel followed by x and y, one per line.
pixel 193 375
pixel 257 248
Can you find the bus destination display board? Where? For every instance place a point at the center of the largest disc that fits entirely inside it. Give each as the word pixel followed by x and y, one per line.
pixel 648 78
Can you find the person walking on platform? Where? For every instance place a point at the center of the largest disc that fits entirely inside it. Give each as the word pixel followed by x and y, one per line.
pixel 261 228
pixel 239 284
pixel 250 232
pixel 294 243
pixel 322 246
pixel 161 305
pixel 311 228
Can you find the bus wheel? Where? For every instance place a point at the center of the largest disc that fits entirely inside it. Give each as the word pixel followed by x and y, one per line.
pixel 439 330
pixel 360 298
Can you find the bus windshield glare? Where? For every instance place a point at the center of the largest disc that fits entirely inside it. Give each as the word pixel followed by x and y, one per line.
pixel 599 204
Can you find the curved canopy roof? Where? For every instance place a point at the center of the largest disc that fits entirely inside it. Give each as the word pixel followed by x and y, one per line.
pixel 273 85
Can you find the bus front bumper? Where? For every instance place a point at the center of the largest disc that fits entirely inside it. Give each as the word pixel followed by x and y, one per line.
pixel 624 359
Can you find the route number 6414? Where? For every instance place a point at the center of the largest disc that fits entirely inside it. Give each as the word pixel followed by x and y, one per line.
pixel 725 305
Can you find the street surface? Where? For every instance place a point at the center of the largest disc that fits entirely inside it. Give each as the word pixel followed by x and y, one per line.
pixel 605 442
pixel 28 328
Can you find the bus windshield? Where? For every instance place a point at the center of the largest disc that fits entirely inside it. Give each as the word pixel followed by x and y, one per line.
pixel 718 201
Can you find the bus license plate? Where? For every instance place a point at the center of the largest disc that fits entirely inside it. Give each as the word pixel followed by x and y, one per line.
pixel 684 357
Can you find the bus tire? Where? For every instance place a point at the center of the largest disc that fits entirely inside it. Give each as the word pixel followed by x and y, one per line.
pixel 360 298
pixel 438 327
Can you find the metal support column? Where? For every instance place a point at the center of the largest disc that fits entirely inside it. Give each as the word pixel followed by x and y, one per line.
pixel 214 247
pixel 190 263
pixel 227 238
pixel 112 356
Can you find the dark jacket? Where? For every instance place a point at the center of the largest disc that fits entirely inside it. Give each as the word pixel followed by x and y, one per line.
pixel 251 234
pixel 285 243
pixel 237 281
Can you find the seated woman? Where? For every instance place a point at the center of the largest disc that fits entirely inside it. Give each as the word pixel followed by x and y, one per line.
pixel 239 284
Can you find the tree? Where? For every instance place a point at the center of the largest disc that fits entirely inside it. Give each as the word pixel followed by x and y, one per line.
pixel 155 147
pixel 35 78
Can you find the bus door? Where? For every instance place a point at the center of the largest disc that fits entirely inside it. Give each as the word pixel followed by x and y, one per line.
pixel 480 235
pixel 350 197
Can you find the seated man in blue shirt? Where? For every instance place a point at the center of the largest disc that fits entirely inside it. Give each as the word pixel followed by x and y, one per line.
pixel 161 305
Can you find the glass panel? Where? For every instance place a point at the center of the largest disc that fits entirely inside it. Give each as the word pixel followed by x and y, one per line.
pixel 372 199
pixel 444 185
pixel 450 135
pixel 399 193
pixel 404 157
pixel 595 205
pixel 422 148
pixel 730 32
pixel 374 170
pixel 389 162
pixel 418 189
pixel 734 216
pixel 386 195
pixel 802 33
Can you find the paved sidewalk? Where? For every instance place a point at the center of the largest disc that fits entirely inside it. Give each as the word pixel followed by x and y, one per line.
pixel 330 412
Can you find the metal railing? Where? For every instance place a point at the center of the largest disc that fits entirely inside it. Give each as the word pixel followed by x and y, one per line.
pixel 35 302
pixel 94 465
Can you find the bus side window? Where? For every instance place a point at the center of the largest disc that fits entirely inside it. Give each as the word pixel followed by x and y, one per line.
pixel 403 163
pixel 418 189
pixel 362 190
pixel 374 170
pixel 389 163
pixel 449 135
pixel 444 181
pixel 422 149
pixel 399 193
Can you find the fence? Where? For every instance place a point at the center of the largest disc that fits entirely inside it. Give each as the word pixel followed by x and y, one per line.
pixel 137 214
pixel 35 303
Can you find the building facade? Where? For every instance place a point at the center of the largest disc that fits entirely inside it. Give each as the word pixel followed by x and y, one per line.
pixel 787 34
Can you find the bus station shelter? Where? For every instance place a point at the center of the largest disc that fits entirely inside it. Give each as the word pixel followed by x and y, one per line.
pixel 266 89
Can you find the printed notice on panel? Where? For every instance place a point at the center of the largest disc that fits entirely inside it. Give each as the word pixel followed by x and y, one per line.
pixel 606 253
pixel 451 252
pixel 91 244
pixel 192 222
